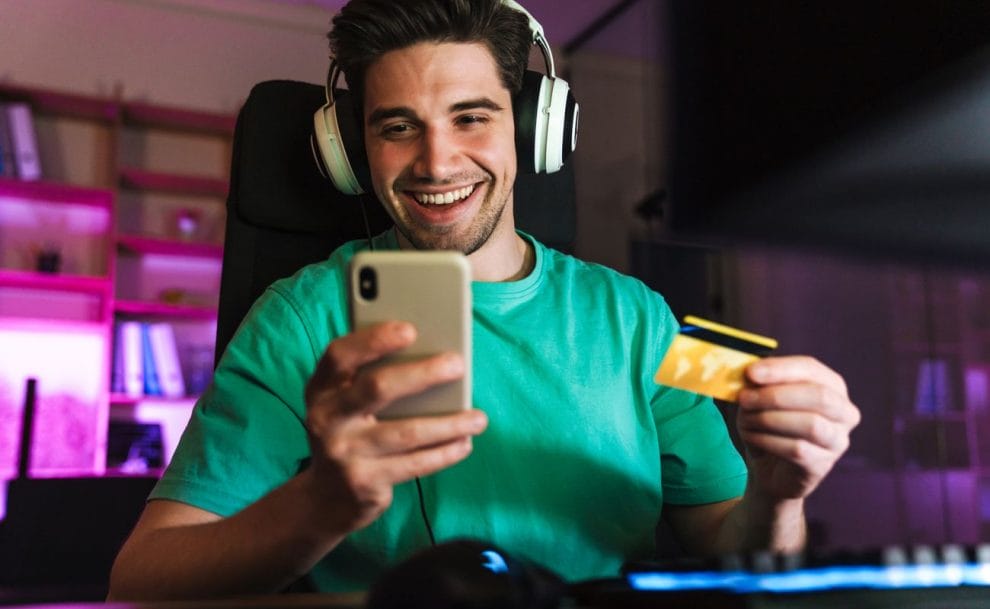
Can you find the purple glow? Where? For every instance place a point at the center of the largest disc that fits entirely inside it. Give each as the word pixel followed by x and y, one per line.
pixel 68 359
pixel 77 232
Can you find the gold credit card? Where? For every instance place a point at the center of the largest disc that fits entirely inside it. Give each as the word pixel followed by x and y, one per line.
pixel 709 358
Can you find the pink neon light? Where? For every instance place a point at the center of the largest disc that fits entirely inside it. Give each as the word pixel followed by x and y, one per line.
pixel 70 421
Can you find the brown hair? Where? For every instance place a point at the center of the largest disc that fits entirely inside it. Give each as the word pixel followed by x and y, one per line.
pixel 364 30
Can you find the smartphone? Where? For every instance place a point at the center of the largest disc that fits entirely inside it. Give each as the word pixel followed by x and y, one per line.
pixel 432 291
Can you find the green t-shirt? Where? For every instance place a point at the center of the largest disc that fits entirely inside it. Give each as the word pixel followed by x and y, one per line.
pixel 582 448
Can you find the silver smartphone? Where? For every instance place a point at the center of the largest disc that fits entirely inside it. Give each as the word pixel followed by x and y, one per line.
pixel 432 291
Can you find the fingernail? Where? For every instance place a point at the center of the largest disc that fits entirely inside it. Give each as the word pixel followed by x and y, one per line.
pixel 758 372
pixel 479 421
pixel 454 364
pixel 405 331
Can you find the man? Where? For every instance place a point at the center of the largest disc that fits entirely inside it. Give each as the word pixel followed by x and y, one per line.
pixel 572 451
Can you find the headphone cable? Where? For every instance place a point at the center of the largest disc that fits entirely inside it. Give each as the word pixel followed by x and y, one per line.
pixel 422 510
pixel 367 225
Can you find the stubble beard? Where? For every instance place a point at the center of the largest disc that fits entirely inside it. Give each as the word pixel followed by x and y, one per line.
pixel 429 237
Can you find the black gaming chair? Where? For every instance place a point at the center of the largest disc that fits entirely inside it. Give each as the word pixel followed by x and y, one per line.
pixel 282 215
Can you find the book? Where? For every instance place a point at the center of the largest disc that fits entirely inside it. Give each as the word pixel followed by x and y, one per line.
pixel 166 357
pixel 6 147
pixel 20 124
pixel 149 367
pixel 117 370
pixel 133 358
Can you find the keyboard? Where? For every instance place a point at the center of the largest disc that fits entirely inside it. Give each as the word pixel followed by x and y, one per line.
pixel 897 577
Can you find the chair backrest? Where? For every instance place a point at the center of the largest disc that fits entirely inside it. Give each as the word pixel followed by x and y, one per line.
pixel 282 215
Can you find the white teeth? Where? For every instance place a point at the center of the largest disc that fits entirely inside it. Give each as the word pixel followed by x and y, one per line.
pixel 444 198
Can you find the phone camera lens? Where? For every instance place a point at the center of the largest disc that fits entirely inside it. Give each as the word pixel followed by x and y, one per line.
pixel 367 283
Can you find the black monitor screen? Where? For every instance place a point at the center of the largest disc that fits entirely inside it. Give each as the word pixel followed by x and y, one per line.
pixel 862 126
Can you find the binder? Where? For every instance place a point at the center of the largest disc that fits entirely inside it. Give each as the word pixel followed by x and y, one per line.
pixel 6 146
pixel 117 384
pixel 20 123
pixel 149 367
pixel 166 358
pixel 133 358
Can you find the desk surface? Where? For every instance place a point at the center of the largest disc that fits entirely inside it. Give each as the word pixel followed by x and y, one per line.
pixel 274 601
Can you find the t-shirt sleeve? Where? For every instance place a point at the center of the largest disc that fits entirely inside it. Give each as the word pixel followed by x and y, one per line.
pixel 699 463
pixel 246 433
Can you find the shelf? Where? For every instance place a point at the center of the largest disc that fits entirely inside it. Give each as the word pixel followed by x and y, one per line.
pixel 53 192
pixel 149 115
pixel 55 282
pixel 139 179
pixel 122 399
pixel 118 472
pixel 161 309
pixel 66 104
pixel 169 247
pixel 146 150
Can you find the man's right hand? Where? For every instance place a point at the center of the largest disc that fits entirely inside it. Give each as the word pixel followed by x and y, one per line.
pixel 181 551
pixel 356 458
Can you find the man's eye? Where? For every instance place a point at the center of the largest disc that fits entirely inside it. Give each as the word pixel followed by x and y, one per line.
pixel 396 129
pixel 469 119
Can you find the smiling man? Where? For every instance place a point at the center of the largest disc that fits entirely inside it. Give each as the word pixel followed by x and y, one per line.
pixel 441 138
pixel 571 454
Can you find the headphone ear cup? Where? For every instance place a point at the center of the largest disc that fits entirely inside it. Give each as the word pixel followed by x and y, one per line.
pixel 526 111
pixel 546 123
pixel 562 124
pixel 340 147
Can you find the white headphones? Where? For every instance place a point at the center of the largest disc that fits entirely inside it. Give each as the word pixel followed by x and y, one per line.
pixel 545 112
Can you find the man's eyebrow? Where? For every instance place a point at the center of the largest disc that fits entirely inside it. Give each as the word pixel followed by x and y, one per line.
pixel 380 114
pixel 472 104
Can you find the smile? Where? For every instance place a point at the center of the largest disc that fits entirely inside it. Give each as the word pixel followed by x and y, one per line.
pixel 443 198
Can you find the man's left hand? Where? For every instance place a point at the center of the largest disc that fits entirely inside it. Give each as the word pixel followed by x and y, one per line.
pixel 794 419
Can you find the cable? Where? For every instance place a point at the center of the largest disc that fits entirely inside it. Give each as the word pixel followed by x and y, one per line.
pixel 367 226
pixel 422 510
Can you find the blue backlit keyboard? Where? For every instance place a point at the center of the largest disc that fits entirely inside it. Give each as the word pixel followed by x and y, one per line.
pixel 917 577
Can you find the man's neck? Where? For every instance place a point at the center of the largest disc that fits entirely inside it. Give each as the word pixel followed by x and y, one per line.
pixel 506 257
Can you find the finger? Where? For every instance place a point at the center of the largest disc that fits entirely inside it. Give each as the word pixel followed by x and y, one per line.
pixel 409 435
pixel 375 388
pixel 401 468
pixel 345 355
pixel 813 459
pixel 365 345
pixel 794 369
pixel 809 397
pixel 815 429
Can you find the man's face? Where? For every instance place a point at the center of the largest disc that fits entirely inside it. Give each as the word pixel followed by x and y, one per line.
pixel 440 139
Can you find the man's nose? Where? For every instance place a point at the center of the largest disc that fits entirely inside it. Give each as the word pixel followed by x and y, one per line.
pixel 437 156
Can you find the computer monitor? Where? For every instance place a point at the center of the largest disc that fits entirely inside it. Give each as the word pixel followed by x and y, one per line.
pixel 857 126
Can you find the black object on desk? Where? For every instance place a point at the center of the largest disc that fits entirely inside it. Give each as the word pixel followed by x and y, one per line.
pixel 27 427
pixel 466 574
pixel 61 535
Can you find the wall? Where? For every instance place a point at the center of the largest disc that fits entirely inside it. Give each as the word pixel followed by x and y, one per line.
pixel 205 54
pixel 617 78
